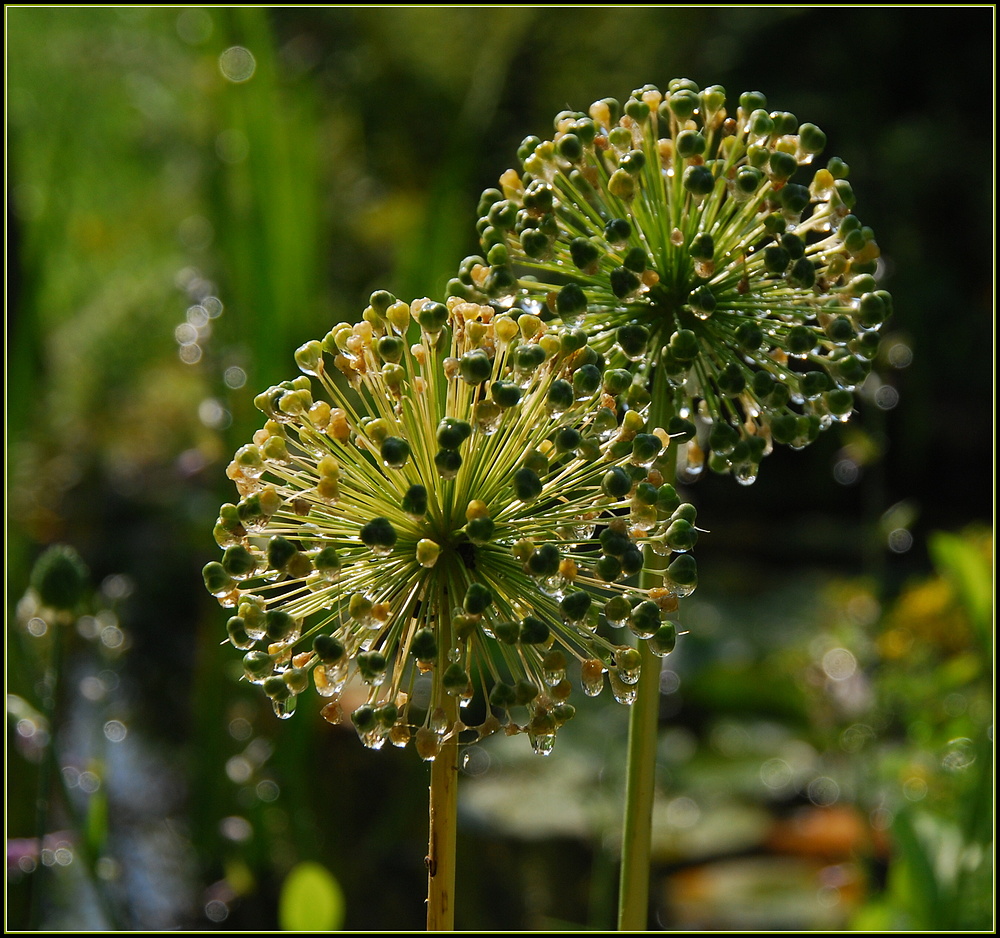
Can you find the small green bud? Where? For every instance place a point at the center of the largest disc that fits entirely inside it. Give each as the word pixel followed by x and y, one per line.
pixel 533 631
pixel 527 485
pixel 379 534
pixel 394 451
pixel 477 599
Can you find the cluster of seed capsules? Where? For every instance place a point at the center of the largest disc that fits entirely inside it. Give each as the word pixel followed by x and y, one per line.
pixel 465 512
pixel 700 247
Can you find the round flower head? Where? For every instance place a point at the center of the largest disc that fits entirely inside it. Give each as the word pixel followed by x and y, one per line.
pixel 462 513
pixel 685 237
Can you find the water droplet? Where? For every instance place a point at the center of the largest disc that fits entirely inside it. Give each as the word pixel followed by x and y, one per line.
pixel 624 693
pixel 283 709
pixel 542 743
pixel 592 676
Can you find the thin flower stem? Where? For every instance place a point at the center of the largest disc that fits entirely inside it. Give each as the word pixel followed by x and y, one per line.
pixel 441 842
pixel 640 773
pixel 633 896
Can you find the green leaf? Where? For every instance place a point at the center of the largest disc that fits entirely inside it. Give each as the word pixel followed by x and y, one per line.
pixel 311 900
pixel 963 563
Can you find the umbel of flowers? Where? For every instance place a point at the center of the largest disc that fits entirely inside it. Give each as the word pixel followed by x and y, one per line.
pixel 702 242
pixel 462 513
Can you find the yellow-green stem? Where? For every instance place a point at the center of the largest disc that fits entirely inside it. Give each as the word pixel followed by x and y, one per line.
pixel 443 801
pixel 640 779
pixel 640 771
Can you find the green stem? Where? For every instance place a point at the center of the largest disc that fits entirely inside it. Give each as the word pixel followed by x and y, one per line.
pixel 633 895
pixel 640 774
pixel 443 803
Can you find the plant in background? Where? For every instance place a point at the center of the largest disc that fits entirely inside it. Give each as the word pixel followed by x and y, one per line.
pixel 692 246
pixel 462 513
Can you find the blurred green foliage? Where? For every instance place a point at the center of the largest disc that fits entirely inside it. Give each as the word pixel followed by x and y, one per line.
pixel 158 209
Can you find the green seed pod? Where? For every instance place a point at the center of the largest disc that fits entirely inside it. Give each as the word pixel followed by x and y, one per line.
pixel 689 143
pixel 525 692
pixel 633 340
pixel 527 485
pixel 840 329
pixel 424 646
pixel 217 581
pixel 415 501
pixel 813 383
pixel 238 637
pixel 686 512
pixel 702 247
pixel 627 659
pixel 533 631
pixel 371 666
pixel 794 198
pixel 616 483
pixel 394 451
pixel 503 696
pixel 683 103
pixel 801 340
pixel 480 530
pixel 748 180
pixel 616 381
pixel 698 180
pixel 608 568
pixel 781 165
pixel 432 318
pixel 680 429
pixel 683 571
pixel 475 367
pixel 803 273
pixel 276 688
pixel 617 231
pixel 527 358
pixel 575 605
pixel 586 381
pixel 238 561
pixel 667 499
pixel 279 625
pixel 644 619
pixel 455 679
pixel 379 534
pixel 584 252
pixel 645 448
pixel 257 665
pixel 722 438
pixel 636 260
pixel 624 282
pixel 477 599
pixel 811 138
pixel 839 402
pixel 684 345
pixel 364 719
pixel 567 439
pixel 390 348
pixel 633 162
pixel 664 640
pixel 544 561
pixel 452 432
pixel 732 380
pixel 681 535
pixel 505 393
pixel 328 648
pixel 614 541
pixel 751 101
pixel 632 561
pixel 507 632
pixel 759 124
pixel 560 396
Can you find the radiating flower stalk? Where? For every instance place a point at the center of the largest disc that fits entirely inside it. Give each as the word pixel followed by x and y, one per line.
pixel 451 502
pixel 700 248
